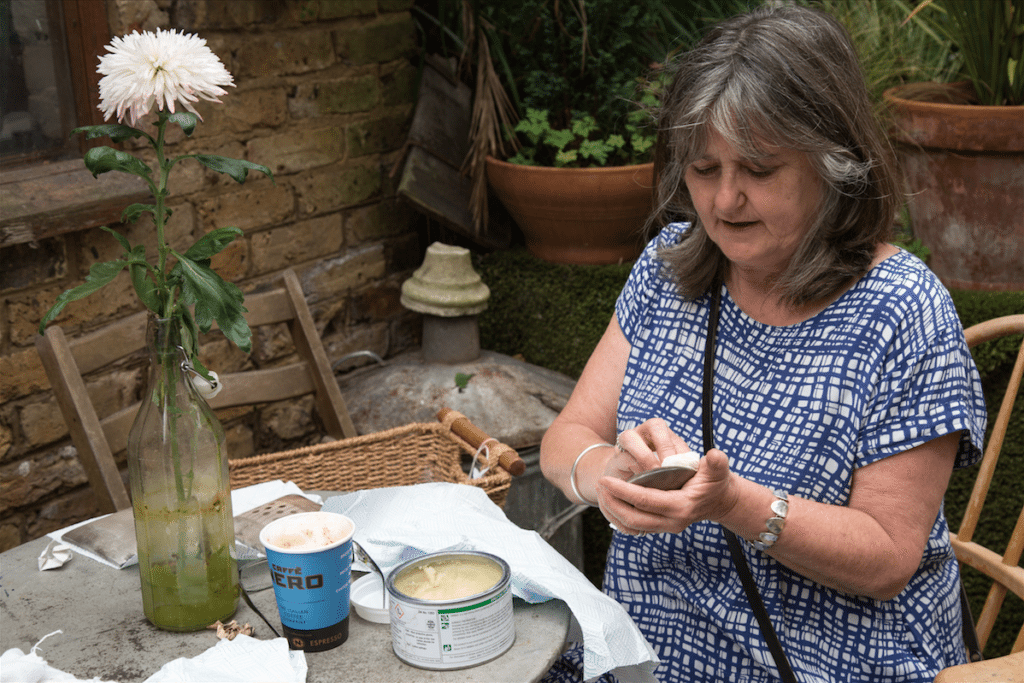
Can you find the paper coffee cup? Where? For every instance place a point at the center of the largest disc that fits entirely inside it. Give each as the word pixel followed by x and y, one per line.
pixel 310 560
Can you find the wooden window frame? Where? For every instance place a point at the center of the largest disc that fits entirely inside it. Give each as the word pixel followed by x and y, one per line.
pixel 87 30
pixel 44 199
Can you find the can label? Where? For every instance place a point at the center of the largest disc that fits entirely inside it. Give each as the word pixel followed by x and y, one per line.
pixel 453 636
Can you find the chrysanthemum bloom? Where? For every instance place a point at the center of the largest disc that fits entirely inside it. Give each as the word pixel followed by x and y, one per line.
pixel 143 68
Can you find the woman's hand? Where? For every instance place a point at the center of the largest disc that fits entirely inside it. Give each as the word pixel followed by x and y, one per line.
pixel 643 449
pixel 634 509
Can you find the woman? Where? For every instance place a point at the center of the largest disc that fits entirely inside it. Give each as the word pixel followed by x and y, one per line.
pixel 841 378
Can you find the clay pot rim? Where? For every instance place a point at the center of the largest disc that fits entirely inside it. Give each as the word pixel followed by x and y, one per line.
pixel 563 169
pixel 1008 111
pixel 960 127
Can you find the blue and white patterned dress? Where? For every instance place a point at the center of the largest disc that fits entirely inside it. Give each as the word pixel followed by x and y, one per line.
pixel 797 408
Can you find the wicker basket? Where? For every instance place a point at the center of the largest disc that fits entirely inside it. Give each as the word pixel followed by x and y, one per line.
pixel 412 454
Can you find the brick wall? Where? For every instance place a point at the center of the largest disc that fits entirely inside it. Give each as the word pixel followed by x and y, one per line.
pixel 324 98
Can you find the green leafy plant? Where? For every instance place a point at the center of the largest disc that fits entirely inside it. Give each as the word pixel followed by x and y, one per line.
pixel 559 56
pixel 891 52
pixel 581 144
pixel 988 36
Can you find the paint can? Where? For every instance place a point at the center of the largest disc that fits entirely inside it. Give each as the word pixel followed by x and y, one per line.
pixel 451 610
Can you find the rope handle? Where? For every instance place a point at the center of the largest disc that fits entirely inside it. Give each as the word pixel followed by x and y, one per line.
pixel 461 426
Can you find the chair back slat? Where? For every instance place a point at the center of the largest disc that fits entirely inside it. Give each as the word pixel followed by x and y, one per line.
pixel 110 343
pixel 84 426
pixel 97 440
pixel 978 334
pixel 1003 568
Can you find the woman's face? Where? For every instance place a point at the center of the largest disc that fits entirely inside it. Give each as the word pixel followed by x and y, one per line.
pixel 755 210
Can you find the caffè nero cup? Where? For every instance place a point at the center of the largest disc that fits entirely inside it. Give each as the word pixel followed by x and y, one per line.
pixel 309 555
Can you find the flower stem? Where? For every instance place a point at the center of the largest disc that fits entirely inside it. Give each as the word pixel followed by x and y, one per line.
pixel 168 350
pixel 159 216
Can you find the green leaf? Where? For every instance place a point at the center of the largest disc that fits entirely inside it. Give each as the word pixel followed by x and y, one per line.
pixel 616 141
pixel 190 342
pixel 132 212
pixel 214 299
pixel 559 138
pixel 236 168
pixel 100 274
pixel 462 380
pixel 186 119
pixel 121 239
pixel 584 125
pixel 595 149
pixel 212 243
pixel 115 131
pixel 143 281
pixel 565 158
pixel 534 126
pixel 144 285
pixel 102 159
pixel 642 143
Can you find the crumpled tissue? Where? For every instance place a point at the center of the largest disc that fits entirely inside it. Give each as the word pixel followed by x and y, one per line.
pixel 54 555
pixel 240 660
pixel 400 523
pixel 18 667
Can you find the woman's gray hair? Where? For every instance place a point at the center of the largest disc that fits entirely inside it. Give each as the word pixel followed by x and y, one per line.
pixel 786 76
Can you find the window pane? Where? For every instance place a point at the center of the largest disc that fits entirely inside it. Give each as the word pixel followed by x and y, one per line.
pixel 36 113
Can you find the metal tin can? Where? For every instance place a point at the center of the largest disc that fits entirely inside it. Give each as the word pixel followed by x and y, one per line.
pixel 444 633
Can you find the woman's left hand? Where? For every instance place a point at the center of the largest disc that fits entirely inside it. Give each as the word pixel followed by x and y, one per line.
pixel 635 509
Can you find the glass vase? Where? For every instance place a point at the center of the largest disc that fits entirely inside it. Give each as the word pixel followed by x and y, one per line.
pixel 181 495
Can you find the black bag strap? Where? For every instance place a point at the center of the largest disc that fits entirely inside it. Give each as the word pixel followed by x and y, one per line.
pixel 738 558
pixel 970 634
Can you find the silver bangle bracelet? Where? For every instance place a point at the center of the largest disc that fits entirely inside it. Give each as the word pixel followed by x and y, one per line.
pixel 774 524
pixel 572 472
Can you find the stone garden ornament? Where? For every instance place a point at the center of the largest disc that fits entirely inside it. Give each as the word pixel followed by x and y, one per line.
pixel 177 462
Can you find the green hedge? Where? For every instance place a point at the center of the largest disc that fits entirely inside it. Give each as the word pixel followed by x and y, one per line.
pixel 553 316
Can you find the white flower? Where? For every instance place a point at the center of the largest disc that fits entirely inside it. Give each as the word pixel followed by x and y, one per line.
pixel 143 68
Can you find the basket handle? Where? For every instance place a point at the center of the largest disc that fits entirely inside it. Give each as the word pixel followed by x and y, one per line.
pixel 508 458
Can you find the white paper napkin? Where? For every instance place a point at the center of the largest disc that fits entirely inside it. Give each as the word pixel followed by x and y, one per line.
pixel 54 555
pixel 400 523
pixel 240 660
pixel 18 667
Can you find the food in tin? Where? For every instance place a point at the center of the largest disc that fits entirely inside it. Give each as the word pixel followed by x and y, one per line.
pixel 449 579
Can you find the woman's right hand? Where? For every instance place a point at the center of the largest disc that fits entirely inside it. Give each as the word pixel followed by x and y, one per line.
pixel 643 448
pixel 637 450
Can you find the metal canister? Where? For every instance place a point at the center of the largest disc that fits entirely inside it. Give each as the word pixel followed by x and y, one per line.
pixel 456 633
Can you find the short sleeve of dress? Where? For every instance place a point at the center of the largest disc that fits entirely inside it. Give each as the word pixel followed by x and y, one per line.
pixel 929 385
pixel 636 295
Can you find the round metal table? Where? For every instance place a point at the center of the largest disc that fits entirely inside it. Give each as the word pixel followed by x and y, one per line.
pixel 106 635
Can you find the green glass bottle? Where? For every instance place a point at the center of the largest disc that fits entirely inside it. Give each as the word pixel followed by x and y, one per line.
pixel 181 495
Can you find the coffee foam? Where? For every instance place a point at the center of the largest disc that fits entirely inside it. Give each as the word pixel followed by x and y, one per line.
pixel 307 531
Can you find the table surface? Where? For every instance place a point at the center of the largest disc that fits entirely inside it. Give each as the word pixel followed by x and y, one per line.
pixel 106 635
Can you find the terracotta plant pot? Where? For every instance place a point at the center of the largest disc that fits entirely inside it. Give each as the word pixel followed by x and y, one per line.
pixel 964 169
pixel 577 215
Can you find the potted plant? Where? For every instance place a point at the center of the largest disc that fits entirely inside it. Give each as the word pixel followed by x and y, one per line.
pixel 961 145
pixel 579 206
pixel 559 89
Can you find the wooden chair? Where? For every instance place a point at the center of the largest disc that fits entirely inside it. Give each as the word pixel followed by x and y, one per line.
pixel 98 439
pixel 1004 570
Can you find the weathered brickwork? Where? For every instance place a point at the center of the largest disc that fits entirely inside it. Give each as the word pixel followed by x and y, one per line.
pixel 324 98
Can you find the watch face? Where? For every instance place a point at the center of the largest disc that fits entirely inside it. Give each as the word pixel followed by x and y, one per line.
pixel 664 478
